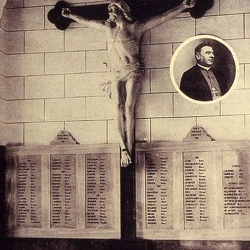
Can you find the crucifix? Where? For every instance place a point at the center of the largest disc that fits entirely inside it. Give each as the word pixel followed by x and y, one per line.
pixel 123 24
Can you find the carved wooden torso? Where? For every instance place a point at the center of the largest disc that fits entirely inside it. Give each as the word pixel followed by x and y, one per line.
pixel 123 45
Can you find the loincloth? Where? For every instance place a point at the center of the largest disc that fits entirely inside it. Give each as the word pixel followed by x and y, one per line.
pixel 129 71
pixel 135 71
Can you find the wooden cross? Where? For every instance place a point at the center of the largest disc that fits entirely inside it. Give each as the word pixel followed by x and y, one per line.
pixel 140 9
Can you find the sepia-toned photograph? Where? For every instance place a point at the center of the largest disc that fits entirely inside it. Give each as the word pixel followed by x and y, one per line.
pixel 204 68
pixel 124 125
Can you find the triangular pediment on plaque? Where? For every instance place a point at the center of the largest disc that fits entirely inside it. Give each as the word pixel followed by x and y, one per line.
pixel 197 133
pixel 63 137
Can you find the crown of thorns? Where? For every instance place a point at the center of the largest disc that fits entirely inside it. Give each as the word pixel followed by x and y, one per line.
pixel 124 8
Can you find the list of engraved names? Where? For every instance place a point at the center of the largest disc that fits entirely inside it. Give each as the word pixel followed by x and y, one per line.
pixel 29 190
pixel 159 190
pixel 63 190
pixel 236 188
pixel 99 188
pixel 197 206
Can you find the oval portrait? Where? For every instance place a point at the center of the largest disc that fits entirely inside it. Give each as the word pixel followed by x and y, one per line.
pixel 204 69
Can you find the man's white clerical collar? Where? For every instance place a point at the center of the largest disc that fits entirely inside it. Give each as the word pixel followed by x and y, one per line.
pixel 203 67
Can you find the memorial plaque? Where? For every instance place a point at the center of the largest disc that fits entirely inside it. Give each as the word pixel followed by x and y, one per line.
pixel 29 191
pixel 99 186
pixel 63 190
pixel 207 185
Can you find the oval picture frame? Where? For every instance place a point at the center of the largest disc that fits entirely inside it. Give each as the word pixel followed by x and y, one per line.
pixel 225 60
